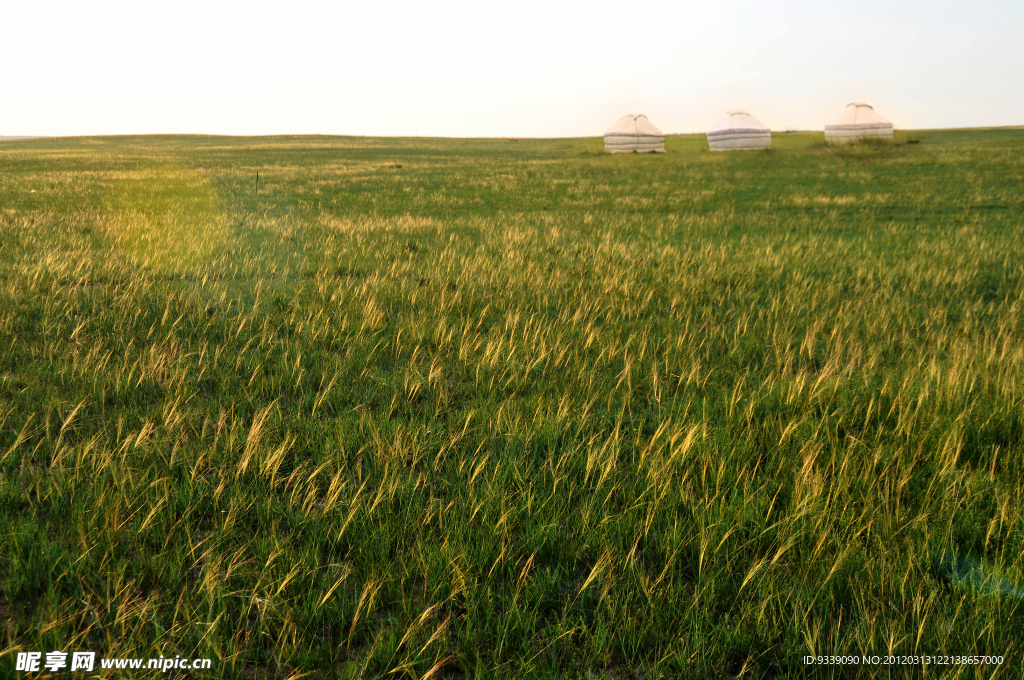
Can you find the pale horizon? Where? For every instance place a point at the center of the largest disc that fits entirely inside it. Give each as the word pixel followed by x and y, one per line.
pixel 457 69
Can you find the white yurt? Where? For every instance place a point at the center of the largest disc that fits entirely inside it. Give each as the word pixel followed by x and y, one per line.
pixel 739 130
pixel 634 134
pixel 859 121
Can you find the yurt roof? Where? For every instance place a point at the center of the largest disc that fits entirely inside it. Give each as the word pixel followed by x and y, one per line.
pixel 858 113
pixel 737 119
pixel 635 124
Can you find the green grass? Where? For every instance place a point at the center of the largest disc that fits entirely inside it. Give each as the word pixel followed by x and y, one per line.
pixel 510 409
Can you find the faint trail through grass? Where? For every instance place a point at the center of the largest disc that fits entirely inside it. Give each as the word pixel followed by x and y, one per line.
pixel 268 245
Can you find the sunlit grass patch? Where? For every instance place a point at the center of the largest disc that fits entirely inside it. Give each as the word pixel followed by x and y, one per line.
pixel 168 219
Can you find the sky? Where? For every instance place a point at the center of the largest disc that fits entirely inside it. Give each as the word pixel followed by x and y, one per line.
pixel 532 68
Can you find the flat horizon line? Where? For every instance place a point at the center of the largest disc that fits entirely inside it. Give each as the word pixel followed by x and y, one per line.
pixel 494 137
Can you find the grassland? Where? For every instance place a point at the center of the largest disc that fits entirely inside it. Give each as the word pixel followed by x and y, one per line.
pixel 509 409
